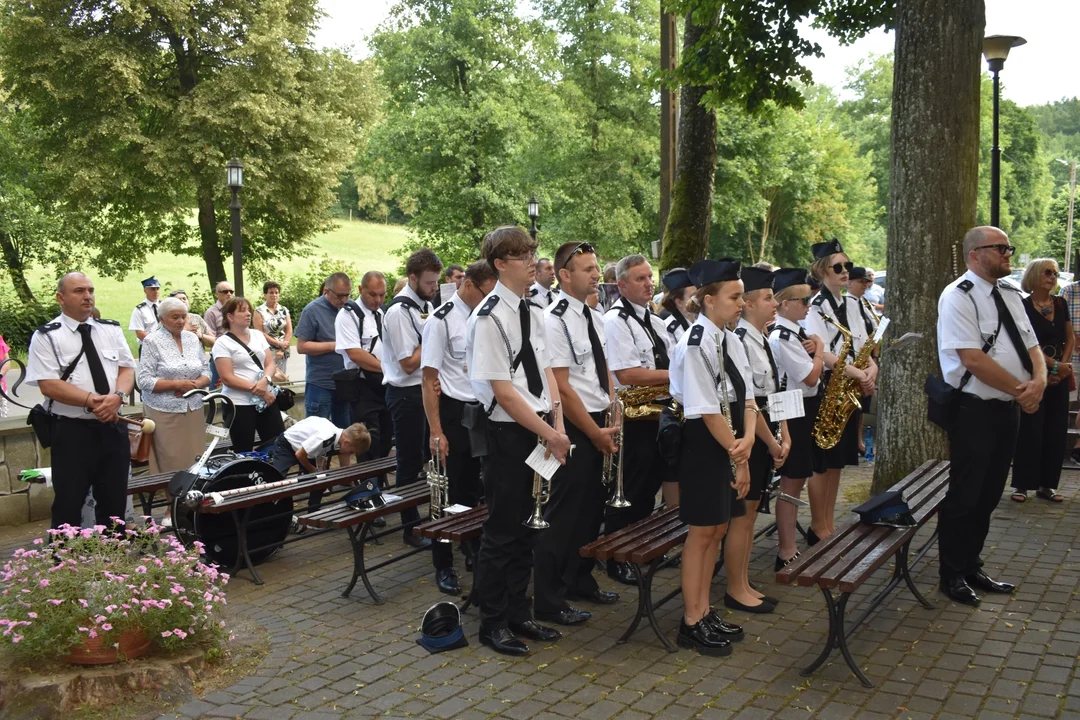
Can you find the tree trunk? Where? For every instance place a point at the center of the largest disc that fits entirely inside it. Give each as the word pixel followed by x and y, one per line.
pixel 686 237
pixel 16 269
pixel 932 196
pixel 215 263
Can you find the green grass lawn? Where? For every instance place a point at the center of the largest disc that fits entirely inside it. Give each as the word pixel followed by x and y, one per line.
pixel 369 246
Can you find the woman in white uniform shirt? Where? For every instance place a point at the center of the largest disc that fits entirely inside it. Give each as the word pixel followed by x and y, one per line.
pixel 710 377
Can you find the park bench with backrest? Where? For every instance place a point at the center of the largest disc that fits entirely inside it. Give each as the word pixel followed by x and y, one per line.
pixel 845 560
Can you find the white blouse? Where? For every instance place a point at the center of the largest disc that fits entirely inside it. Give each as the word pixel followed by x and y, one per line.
pixel 243 366
pixel 163 360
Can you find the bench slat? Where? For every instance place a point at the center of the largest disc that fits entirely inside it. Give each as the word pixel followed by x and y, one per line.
pixel 658 547
pixel 645 545
pixel 608 543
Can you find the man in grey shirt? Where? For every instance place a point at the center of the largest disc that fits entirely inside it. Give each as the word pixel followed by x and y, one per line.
pixel 317 340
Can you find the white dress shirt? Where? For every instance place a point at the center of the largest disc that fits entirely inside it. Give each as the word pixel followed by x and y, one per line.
pixel 443 348
pixel 490 352
pixel 676 326
pixel 628 344
pixel 825 303
pixel 966 320
pixel 348 335
pixel 242 364
pixel 792 360
pixel 52 349
pixel 316 435
pixel 695 369
pixel 569 347
pixel 541 295
pixel 402 332
pixel 765 380
pixel 143 317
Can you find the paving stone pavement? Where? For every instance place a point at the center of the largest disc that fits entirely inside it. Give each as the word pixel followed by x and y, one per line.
pixel 332 657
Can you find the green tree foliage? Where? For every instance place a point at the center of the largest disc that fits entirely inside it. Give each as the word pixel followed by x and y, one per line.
pixel 1059 125
pixel 865 119
pixel 142 104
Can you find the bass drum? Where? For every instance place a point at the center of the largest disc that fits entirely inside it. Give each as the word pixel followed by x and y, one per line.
pixel 268 523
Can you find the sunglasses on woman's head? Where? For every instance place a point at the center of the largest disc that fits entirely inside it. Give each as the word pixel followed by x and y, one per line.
pixel 841 267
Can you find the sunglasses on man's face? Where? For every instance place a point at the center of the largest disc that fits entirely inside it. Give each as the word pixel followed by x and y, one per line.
pixel 838 268
pixel 1002 248
pixel 225 292
pixel 579 250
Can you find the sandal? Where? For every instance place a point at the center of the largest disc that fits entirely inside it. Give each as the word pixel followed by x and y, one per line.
pixel 1019 497
pixel 1049 495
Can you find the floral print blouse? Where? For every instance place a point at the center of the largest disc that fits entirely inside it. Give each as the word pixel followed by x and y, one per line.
pixel 163 360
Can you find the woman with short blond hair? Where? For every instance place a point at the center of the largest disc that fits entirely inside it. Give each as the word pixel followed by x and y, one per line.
pixel 1043 436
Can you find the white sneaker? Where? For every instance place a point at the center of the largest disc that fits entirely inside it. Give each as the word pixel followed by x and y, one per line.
pixel 166 522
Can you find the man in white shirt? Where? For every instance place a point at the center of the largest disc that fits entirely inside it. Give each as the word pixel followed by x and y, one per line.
pixel 402 340
pixel 447 394
pixel 575 340
pixel 144 318
pixel 85 369
pixel 875 294
pixel 313 438
pixel 989 352
pixel 508 369
pixel 540 292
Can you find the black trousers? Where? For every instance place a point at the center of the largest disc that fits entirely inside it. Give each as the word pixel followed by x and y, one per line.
pixel 506 547
pixel 574 511
pixel 411 435
pixel 463 472
pixel 643 473
pixel 1041 442
pixel 89 454
pixel 248 420
pixel 980 448
pixel 370 408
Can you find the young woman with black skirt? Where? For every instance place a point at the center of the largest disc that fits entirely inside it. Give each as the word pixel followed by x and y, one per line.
pixel 799 359
pixel 710 377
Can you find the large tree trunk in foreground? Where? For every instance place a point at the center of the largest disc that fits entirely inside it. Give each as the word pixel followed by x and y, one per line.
pixel 686 237
pixel 932 196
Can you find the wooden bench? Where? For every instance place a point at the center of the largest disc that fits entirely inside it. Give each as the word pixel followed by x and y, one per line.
pixel 644 544
pixel 239 506
pixel 847 559
pixel 359 524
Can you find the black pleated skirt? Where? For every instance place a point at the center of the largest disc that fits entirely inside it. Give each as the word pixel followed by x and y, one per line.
pixel 800 461
pixel 761 462
pixel 706 497
pixel 846 450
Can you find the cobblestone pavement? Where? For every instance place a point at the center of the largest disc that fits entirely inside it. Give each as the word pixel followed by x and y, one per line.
pixel 332 657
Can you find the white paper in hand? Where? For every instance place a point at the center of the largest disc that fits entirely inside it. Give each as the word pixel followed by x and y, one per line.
pixel 536 461
pixel 882 325
pixel 447 290
pixel 456 508
pixel 786 405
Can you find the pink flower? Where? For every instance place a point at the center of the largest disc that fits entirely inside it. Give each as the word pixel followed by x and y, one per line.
pixel 43 583
pixel 83 603
pixel 167 633
pixel 32 615
pixel 16 638
pixel 106 627
pixel 141 569
pixel 180 633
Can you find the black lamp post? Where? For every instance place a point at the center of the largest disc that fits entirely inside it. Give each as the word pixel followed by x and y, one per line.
pixel 235 176
pixel 534 214
pixel 995 50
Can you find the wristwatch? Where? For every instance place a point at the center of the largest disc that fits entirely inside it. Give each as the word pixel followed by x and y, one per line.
pixel 122 396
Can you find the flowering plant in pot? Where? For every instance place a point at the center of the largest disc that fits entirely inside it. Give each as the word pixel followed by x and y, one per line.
pixel 92 595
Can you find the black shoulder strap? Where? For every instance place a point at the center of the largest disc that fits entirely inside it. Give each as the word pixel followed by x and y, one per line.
pixel 355 309
pixel 240 342
pixel 965 286
pixel 408 302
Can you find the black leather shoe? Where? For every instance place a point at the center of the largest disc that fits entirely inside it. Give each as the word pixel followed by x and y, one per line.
pixel 959 591
pixel 447 581
pixel 985 583
pixel 535 631
pixel 568 616
pixel 761 608
pixel 417 542
pixel 623 572
pixel 503 641
pixel 811 537
pixel 726 630
pixel 780 562
pixel 379 522
pixel 600 597
pixel 701 638
pixel 469 563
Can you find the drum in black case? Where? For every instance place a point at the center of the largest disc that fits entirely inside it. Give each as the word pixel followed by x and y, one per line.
pixel 268 523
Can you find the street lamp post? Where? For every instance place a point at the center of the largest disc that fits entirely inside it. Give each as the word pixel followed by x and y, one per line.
pixel 534 214
pixel 234 172
pixel 1069 222
pixel 995 50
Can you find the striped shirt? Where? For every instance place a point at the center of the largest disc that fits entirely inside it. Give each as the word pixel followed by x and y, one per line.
pixel 1071 294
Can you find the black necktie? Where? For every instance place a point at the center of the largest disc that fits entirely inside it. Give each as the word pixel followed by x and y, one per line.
pixel 659 349
pixel 548 297
pixel 735 378
pixel 93 360
pixel 526 356
pixel 597 351
pixel 378 322
pixel 772 361
pixel 154 308
pixel 1014 332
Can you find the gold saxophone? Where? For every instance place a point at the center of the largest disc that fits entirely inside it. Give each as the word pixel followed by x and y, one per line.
pixel 842 394
pixel 639 401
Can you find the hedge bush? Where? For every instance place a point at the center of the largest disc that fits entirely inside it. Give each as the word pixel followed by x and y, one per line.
pixel 20 319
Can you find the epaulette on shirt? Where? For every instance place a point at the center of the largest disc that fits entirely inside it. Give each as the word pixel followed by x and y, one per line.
pixel 785 333
pixel 741 332
pixel 560 308
pixel 48 327
pixel 103 321
pixel 141 305
pixel 533 292
pixel 819 300
pixel 488 306
pixel 696 333
pixel 673 325
pixel 624 313
pixel 442 312
pixel 965 285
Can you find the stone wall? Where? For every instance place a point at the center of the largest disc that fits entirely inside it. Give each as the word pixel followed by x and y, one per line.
pixel 19 450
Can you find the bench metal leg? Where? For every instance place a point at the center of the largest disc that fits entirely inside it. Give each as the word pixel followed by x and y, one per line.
pixel 240 520
pixel 146 500
pixel 356 539
pixel 905 571
pixel 837 638
pixel 646 607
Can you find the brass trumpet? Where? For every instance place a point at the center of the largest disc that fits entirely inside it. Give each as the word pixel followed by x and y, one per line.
pixel 541 491
pixel 613 467
pixel 438 483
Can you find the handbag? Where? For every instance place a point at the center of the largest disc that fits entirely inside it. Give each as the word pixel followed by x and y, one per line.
pixel 286 398
pixel 346 384
pixel 942 398
pixel 40 419
pixel 140 443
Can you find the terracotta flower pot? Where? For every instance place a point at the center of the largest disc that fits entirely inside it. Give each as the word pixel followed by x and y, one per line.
pixel 95 651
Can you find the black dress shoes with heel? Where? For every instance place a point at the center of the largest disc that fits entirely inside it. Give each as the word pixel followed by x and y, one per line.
pixel 959 591
pixel 811 537
pixel 762 608
pixel 700 637
pixel 567 616
pixel 984 582
pixel 622 572
pixel 600 597
pixel 781 562
pixel 535 631
pixel 726 630
pixel 446 580
pixel 503 641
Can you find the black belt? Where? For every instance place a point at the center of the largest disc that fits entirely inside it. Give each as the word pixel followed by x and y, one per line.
pixel 455 402
pixel 969 399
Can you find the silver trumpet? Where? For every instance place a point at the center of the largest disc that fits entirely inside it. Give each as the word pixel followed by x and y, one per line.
pixel 438 484
pixel 613 466
pixel 541 491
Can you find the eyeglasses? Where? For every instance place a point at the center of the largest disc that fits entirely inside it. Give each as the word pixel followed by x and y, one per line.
pixel 340 296
pixel 224 292
pixel 579 250
pixel 526 259
pixel 803 300
pixel 1002 248
pixel 841 267
pixel 1048 272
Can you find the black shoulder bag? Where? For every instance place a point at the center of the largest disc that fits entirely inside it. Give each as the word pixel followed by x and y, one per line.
pixel 942 398
pixel 286 398
pixel 40 419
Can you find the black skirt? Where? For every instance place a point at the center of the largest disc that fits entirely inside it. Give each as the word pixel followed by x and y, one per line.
pixel 800 460
pixel 846 450
pixel 761 461
pixel 706 497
